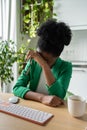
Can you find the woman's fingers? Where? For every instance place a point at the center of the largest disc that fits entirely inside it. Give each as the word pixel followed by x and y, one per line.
pixel 56 101
pixel 30 54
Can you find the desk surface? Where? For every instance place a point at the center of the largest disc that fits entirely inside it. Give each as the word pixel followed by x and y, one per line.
pixel 62 120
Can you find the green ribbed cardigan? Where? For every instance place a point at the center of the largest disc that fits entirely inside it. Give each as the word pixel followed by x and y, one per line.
pixel 29 79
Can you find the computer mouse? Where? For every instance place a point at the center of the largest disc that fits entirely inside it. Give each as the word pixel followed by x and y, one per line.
pixel 13 99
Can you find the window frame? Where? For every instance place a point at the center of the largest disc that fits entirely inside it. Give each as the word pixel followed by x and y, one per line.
pixel 1 19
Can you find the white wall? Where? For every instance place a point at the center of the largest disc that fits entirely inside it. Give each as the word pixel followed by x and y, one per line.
pixel 77 50
pixel 72 12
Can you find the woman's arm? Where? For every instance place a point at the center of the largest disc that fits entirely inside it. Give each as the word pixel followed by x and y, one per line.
pixel 60 86
pixel 20 88
pixel 52 100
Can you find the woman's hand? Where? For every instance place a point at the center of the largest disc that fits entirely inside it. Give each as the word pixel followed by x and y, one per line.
pixel 36 56
pixel 53 101
pixel 40 59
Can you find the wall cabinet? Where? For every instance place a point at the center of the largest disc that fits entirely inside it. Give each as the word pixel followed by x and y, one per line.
pixel 78 84
pixel 73 12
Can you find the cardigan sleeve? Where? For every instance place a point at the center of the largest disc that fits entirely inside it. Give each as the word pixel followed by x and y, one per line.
pixel 20 87
pixel 60 86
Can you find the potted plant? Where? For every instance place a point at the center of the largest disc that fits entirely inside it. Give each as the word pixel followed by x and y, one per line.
pixel 7 58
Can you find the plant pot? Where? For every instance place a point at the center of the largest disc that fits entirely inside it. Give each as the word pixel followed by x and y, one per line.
pixel 4 87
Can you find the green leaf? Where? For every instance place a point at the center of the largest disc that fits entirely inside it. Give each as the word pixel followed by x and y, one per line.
pixel 26 6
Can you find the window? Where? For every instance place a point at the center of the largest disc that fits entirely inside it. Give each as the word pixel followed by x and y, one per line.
pixel 0 20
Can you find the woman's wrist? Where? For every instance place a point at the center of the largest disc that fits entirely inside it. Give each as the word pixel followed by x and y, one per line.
pixel 45 66
pixel 34 96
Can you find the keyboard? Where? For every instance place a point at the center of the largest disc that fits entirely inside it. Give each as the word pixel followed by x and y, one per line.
pixel 26 113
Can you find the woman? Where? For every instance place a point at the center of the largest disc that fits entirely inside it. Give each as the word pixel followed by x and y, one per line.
pixel 46 76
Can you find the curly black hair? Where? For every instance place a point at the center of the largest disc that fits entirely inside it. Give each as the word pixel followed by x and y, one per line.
pixel 53 36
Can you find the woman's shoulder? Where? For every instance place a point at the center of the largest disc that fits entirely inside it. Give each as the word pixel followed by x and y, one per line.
pixel 65 63
pixel 60 60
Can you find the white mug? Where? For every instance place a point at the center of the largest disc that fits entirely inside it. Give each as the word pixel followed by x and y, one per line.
pixel 76 106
